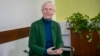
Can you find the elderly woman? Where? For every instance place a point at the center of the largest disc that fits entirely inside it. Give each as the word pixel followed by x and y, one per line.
pixel 45 34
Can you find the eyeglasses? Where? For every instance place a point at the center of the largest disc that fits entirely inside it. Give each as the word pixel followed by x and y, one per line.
pixel 50 9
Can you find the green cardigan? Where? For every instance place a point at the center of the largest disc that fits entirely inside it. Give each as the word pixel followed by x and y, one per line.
pixel 37 37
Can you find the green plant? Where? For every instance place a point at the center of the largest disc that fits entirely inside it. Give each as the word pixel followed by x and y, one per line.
pixel 79 22
pixel 96 21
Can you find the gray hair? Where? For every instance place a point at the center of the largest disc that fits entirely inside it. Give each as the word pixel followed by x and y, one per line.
pixel 47 2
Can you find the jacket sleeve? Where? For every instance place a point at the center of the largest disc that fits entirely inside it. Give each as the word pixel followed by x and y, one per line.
pixel 59 37
pixel 32 41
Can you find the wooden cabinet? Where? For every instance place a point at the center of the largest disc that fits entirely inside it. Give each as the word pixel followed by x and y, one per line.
pixel 82 46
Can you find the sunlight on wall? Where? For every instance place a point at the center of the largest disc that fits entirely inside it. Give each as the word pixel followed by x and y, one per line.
pixel 65 8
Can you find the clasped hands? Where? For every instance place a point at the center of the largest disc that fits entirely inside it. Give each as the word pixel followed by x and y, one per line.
pixel 58 51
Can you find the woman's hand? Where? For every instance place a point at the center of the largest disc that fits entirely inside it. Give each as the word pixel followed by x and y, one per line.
pixel 50 51
pixel 59 51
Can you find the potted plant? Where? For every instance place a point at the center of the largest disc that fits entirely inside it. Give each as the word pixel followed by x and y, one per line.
pixel 85 34
pixel 79 22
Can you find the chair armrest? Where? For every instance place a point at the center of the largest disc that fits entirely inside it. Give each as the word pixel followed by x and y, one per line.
pixel 72 49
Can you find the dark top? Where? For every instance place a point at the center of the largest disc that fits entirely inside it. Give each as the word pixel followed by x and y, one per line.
pixel 48 28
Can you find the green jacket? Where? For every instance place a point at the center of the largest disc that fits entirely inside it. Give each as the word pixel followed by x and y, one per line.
pixel 37 37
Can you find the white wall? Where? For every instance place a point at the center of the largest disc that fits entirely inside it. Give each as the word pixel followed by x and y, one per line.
pixel 14 48
pixel 17 14
pixel 65 35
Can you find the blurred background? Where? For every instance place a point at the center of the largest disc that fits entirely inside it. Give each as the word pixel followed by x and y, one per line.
pixel 15 14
